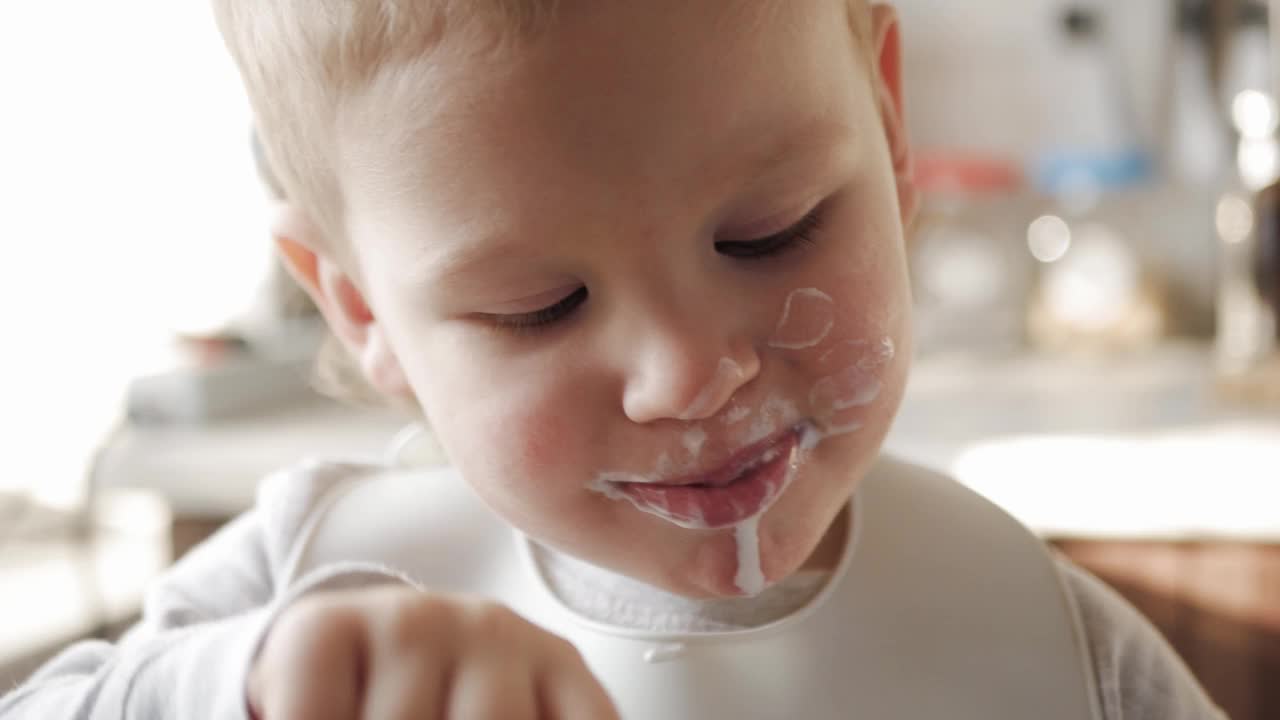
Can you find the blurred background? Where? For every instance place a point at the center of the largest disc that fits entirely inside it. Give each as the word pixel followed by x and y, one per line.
pixel 1097 278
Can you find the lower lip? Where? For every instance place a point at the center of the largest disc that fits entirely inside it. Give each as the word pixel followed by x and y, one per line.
pixel 703 507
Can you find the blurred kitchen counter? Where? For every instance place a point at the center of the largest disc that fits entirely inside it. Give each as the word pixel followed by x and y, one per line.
pixel 212 470
pixel 1139 447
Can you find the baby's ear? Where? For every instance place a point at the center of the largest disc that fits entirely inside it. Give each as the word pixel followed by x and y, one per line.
pixel 887 36
pixel 339 300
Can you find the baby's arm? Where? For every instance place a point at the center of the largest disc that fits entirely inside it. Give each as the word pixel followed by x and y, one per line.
pixel 225 628
pixel 202 623
pixel 1139 675
pixel 186 658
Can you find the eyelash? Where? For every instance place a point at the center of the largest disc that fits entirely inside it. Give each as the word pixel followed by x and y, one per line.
pixel 796 237
pixel 540 319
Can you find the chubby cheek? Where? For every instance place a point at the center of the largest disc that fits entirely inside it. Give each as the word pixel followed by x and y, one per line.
pixel 516 447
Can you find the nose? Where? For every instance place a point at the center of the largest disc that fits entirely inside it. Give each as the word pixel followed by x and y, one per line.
pixel 686 372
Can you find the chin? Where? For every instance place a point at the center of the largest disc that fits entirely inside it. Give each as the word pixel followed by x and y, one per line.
pixel 713 572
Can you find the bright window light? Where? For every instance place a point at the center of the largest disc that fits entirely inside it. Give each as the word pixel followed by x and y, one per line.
pixel 1254 113
pixel 130 209
pixel 1259 162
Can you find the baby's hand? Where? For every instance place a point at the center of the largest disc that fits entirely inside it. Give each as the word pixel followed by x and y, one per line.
pixel 392 653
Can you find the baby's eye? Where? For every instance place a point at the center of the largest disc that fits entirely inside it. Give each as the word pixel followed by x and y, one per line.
pixel 541 318
pixel 797 236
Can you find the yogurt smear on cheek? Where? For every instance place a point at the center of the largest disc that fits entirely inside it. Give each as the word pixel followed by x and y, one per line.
pixel 807 320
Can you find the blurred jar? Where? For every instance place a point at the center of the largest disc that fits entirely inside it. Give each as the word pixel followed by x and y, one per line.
pixel 970 271
pixel 1093 292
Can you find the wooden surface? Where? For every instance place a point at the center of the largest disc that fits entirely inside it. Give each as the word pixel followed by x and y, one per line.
pixel 1218 603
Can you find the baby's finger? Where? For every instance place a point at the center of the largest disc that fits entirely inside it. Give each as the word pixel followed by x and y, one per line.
pixel 322 701
pixel 407 687
pixel 492 688
pixel 313 680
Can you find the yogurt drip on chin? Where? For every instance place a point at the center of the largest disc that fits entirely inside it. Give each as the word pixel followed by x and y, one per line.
pixel 750 577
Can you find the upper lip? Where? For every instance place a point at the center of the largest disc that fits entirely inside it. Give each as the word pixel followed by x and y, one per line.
pixel 737 463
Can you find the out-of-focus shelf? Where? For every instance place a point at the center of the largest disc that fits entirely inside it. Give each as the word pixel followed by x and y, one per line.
pixel 1140 447
pixel 213 469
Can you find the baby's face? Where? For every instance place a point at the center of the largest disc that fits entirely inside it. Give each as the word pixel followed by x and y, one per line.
pixel 646 278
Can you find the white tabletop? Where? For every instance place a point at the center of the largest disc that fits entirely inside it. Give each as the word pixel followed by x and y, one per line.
pixel 1132 448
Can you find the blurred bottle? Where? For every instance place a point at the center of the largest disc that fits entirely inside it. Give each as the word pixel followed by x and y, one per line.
pixel 971 274
pixel 1249 99
pixel 1090 89
pixel 1093 294
pixel 1267 254
pixel 1265 258
pixel 1248 365
pixel 1249 87
pixel 1248 326
pixel 1198 148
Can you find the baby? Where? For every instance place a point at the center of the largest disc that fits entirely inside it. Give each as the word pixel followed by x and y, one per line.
pixel 641 267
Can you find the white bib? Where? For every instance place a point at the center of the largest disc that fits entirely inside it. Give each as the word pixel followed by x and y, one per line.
pixel 945 607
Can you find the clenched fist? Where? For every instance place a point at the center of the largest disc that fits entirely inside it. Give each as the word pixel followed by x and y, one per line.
pixel 394 653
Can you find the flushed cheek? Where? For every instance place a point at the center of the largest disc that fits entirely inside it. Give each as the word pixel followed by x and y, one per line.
pixel 520 413
pixel 542 441
pixel 525 468
pixel 508 442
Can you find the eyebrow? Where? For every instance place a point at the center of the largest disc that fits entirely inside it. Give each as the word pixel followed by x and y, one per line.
pixel 449 266
pixel 820 136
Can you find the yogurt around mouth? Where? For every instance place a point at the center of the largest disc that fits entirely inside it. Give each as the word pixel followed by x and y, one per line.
pixel 850 381
pixel 724 498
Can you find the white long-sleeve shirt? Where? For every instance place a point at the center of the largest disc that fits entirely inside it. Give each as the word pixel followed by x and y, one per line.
pixel 189 656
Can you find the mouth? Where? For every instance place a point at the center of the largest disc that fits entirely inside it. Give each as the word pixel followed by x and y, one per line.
pixel 743 487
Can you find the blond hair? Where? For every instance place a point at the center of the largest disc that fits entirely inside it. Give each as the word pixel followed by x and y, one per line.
pixel 301 59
